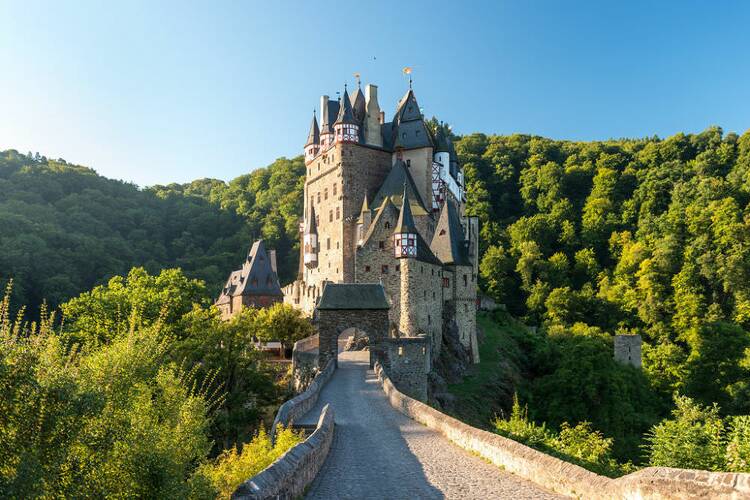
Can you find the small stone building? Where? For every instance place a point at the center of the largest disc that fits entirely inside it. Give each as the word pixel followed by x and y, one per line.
pixel 255 284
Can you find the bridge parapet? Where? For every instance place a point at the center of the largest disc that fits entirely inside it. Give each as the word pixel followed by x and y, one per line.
pixel 564 477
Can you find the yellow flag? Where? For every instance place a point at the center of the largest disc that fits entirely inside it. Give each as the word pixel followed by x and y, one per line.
pixel 407 70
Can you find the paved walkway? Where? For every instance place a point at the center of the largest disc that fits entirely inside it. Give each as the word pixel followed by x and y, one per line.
pixel 378 452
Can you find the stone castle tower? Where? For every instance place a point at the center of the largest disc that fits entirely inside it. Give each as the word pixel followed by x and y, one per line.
pixel 384 203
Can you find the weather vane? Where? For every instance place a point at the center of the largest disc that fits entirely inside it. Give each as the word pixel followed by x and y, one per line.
pixel 407 71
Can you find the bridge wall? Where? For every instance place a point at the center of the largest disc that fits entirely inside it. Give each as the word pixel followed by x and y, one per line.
pixel 331 322
pixel 288 476
pixel 564 477
pixel 303 402
pixel 305 364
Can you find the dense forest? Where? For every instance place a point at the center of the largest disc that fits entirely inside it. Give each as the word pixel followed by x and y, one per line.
pixel 589 239
pixel 64 229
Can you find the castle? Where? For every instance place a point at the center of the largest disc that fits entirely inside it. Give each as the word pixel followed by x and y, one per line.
pixel 384 202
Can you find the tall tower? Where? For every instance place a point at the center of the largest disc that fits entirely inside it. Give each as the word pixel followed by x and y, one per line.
pixel 405 249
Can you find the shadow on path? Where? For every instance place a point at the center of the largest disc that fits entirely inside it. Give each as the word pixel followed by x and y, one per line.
pixel 378 452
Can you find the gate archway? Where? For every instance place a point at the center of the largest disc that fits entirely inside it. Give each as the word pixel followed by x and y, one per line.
pixel 351 305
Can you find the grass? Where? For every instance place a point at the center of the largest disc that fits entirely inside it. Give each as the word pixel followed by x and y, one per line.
pixel 497 372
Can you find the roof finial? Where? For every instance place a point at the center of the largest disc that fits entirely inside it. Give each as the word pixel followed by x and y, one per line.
pixel 359 83
pixel 409 81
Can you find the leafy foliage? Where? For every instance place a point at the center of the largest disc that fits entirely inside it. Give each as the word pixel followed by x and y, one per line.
pixel 64 229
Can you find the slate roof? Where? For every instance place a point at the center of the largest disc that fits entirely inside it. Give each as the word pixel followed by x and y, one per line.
pixel 345 110
pixel 424 253
pixel 365 208
pixel 328 116
pixel 448 243
pixel 441 142
pixel 405 222
pixel 393 188
pixel 358 105
pixel 256 277
pixel 409 130
pixel 311 225
pixel 353 296
pixel 314 136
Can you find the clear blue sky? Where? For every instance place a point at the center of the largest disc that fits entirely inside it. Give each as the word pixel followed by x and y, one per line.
pixel 157 92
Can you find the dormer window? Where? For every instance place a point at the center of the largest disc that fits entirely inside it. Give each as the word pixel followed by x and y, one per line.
pixel 387 225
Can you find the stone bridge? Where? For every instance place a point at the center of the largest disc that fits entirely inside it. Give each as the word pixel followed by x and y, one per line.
pixel 378 452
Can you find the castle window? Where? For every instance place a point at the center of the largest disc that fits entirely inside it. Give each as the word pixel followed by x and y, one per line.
pixel 442 232
pixel 408 163
pixel 466 280
pixel 384 269
pixel 421 269
pixel 400 350
pixel 381 244
pixel 446 282
pixel 398 268
pixel 330 216
pixel 367 269
pixel 466 307
pixel 433 294
pixel 387 225
pixel 433 271
pixel 328 243
pixel 325 194
pixel 318 196
pixel 317 219
pixel 334 189
pixel 338 213
pixel 337 245
pixel 424 294
pixel 429 319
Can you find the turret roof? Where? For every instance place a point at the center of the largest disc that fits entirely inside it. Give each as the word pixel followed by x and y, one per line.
pixel 345 110
pixel 311 226
pixel 328 116
pixel 365 208
pixel 358 105
pixel 405 222
pixel 448 243
pixel 441 142
pixel 314 136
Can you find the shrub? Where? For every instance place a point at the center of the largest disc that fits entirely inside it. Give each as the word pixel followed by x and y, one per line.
pixel 233 467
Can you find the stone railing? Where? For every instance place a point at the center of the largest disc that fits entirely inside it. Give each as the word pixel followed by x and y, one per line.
pixel 564 477
pixel 303 402
pixel 305 357
pixel 288 476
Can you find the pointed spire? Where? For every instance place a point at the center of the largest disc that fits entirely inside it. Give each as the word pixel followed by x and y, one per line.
pixel 405 222
pixel 345 110
pixel 311 226
pixel 365 206
pixel 441 142
pixel 314 136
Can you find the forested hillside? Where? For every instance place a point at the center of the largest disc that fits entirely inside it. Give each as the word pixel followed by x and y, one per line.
pixel 589 239
pixel 63 228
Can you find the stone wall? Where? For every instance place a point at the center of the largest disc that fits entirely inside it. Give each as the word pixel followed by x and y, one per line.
pixel 288 476
pixel 331 322
pixel 305 365
pixel 628 349
pixel 303 402
pixel 407 362
pixel 563 477
pixel 421 301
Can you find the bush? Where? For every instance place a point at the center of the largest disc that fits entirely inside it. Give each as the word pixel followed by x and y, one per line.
pixel 693 439
pixel 738 444
pixel 233 467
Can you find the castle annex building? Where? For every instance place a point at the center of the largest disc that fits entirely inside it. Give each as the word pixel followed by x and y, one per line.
pixel 255 284
pixel 384 203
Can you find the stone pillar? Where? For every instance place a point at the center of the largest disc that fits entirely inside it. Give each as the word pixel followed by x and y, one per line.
pixel 628 349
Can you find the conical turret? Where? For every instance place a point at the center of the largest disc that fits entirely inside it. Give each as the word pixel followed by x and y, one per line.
pixel 312 146
pixel 346 127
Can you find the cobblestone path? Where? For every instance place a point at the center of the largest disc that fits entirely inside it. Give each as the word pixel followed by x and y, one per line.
pixel 379 453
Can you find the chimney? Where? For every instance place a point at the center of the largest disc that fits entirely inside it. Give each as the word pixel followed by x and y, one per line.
pixel 372 116
pixel 324 123
pixel 382 117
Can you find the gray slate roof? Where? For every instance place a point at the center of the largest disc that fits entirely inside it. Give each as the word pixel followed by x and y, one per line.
pixel 405 222
pixel 358 105
pixel 314 136
pixel 256 277
pixel 311 225
pixel 345 111
pixel 328 116
pixel 353 296
pixel 394 185
pixel 448 243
